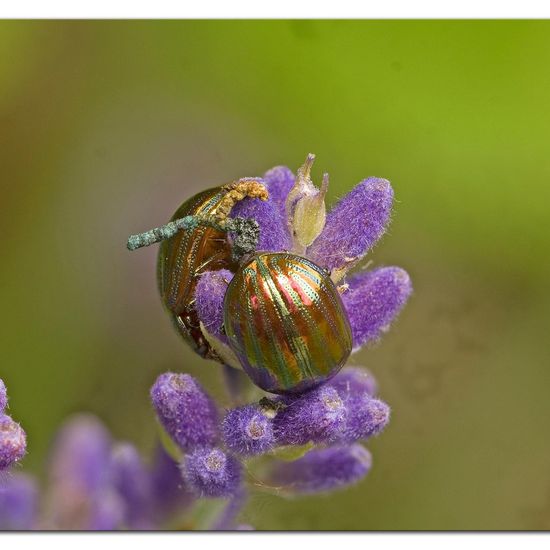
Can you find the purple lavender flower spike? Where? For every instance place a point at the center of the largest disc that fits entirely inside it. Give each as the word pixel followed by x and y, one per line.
pixel 209 296
pixel 354 380
pixel 107 513
pixel 373 301
pixel 18 503
pixel 274 235
pixel 318 416
pixel 132 481
pixel 209 472
pixel 13 442
pixel 79 474
pixel 81 455
pixel 3 396
pixel 169 496
pixel 365 417
pixel 323 470
pixel 248 431
pixel 354 225
pixel 185 410
pixel 279 181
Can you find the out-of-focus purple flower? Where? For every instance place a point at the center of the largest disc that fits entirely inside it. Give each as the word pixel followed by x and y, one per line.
pixel 373 301
pixel 318 416
pixel 107 511
pixel 274 235
pixel 13 442
pixel 354 225
pixel 18 502
pixel 226 520
pixel 209 296
pixel 323 469
pixel 3 396
pixel 133 484
pixel 81 454
pixel 354 380
pixel 80 477
pixel 185 410
pixel 169 495
pixel 248 431
pixel 209 472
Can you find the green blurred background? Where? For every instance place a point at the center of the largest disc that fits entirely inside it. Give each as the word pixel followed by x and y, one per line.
pixel 107 126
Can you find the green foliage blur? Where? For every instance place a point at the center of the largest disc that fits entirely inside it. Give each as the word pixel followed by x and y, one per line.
pixel 106 127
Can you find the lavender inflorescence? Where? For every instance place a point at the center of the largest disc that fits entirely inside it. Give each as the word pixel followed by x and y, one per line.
pixel 313 440
pixel 285 444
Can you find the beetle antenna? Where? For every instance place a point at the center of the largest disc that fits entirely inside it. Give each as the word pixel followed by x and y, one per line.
pixel 158 234
pixel 245 231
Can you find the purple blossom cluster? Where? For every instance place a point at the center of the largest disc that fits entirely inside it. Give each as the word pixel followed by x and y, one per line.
pixel 293 444
pixel 320 427
pixel 95 483
pixel 313 439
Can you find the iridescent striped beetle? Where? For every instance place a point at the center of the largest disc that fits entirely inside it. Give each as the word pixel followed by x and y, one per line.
pixel 286 323
pixel 283 315
pixel 194 241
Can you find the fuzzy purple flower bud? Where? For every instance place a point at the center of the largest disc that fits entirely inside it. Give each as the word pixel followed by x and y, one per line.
pixel 274 235
pixel 323 469
pixel 354 380
pixel 373 301
pixel 318 416
pixel 209 296
pixel 354 225
pixel 13 442
pixel 3 396
pixel 185 410
pixel 365 417
pixel 279 181
pixel 132 482
pixel 18 502
pixel 209 472
pixel 248 431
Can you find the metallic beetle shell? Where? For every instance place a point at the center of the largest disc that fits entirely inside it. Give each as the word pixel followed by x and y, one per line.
pixel 184 257
pixel 286 323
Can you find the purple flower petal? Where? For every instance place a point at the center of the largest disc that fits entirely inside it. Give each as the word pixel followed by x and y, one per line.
pixel 3 396
pixel 132 481
pixel 354 225
pixel 13 442
pixel 185 410
pixel 169 494
pixel 318 416
pixel 279 181
pixel 81 454
pixel 107 512
pixel 274 234
pixel 373 301
pixel 210 472
pixel 80 475
pixel 365 417
pixel 248 431
pixel 18 502
pixel 209 296
pixel 323 469
pixel 354 380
